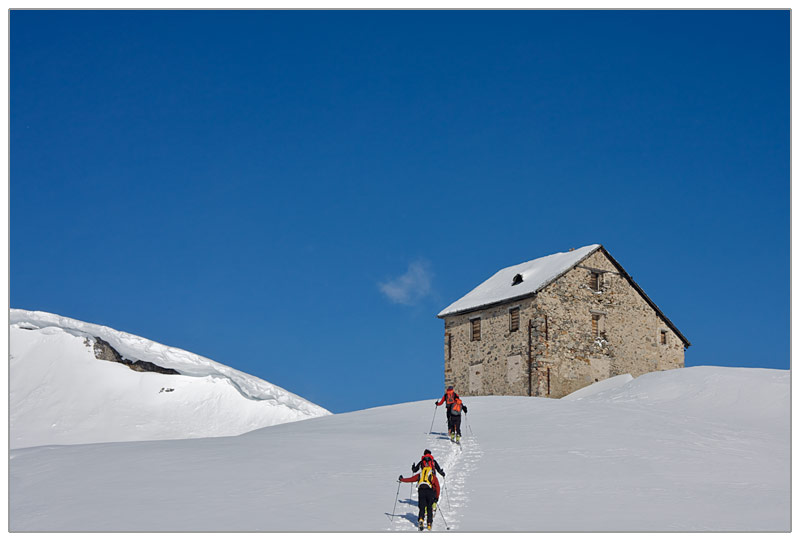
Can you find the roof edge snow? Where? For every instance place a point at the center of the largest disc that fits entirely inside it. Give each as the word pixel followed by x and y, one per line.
pixel 553 271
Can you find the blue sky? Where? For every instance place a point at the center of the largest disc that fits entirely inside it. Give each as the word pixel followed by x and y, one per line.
pixel 298 194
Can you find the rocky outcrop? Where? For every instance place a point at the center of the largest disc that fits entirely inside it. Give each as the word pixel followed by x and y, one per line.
pixel 104 352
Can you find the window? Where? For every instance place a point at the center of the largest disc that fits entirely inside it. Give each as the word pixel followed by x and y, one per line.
pixel 595 281
pixel 598 327
pixel 664 337
pixel 513 319
pixel 448 345
pixel 475 328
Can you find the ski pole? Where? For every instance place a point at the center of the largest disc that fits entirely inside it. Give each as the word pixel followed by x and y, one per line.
pixel 434 417
pixel 395 500
pixel 469 425
pixel 447 493
pixel 444 519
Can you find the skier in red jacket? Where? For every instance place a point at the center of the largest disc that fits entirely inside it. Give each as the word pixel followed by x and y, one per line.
pixel 455 420
pixel 450 398
pixel 426 459
pixel 427 487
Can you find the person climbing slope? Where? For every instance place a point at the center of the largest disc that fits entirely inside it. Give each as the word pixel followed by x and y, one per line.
pixel 427 459
pixel 455 416
pixel 449 397
pixel 426 492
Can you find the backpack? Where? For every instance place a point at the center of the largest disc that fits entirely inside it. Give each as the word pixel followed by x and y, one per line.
pixel 456 410
pixel 451 396
pixel 426 476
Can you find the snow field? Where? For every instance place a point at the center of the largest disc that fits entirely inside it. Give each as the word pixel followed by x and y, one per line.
pixel 696 449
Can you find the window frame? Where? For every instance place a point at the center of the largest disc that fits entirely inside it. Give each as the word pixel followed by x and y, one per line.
pixel 596 280
pixel 598 325
pixel 472 333
pixel 511 310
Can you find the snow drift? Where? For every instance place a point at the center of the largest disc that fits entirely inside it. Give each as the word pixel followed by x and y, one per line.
pixel 60 393
pixel 600 386
pixel 693 449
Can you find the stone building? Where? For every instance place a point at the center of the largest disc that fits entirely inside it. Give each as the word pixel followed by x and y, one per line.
pixel 553 325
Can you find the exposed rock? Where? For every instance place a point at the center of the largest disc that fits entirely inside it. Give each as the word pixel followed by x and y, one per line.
pixel 104 352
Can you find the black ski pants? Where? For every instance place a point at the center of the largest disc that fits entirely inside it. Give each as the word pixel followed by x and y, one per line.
pixel 456 422
pixel 426 498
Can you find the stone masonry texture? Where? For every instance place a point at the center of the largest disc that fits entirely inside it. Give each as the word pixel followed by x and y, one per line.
pixel 557 348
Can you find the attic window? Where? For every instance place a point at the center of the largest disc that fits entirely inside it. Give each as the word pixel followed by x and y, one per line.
pixel 664 337
pixel 517 280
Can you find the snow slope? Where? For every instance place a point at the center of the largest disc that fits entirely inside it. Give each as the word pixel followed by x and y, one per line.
pixel 61 394
pixel 686 450
pixel 600 386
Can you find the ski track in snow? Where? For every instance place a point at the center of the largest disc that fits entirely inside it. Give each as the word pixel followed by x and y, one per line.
pixel 458 462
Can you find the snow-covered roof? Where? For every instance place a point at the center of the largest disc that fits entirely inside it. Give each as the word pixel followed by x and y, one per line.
pixel 505 284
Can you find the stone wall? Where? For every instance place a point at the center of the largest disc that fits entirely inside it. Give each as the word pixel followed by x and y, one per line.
pixel 556 334
pixel 497 363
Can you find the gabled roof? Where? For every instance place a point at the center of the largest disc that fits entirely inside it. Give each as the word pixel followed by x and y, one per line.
pixel 505 285
pixel 535 275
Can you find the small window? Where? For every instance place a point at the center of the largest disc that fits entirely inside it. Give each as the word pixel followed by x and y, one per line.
pixel 448 345
pixel 475 328
pixel 598 327
pixel 664 337
pixel 517 280
pixel 513 319
pixel 595 281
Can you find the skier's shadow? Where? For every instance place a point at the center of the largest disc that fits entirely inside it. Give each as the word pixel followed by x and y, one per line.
pixel 411 517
